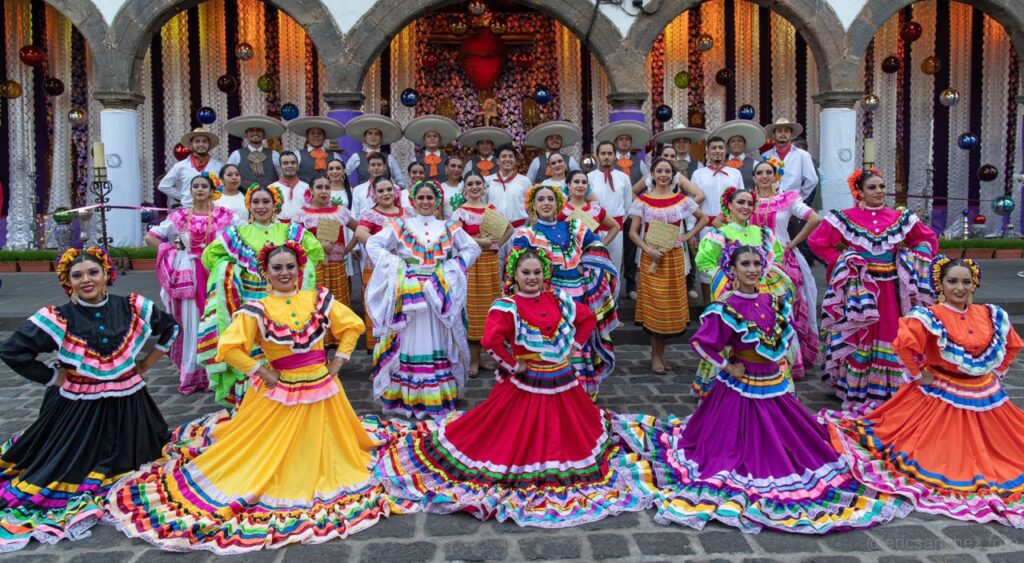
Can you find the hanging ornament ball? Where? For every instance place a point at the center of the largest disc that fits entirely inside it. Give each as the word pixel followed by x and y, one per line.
pixel 979 219
pixel 289 111
pixel 695 118
pixel 705 42
pixel 53 86
pixel 499 28
pixel 430 60
pixel 457 28
pixel 206 115
pixel 181 152
pixel 12 89
pixel 227 83
pixel 987 172
pixel 147 216
pixel 477 7
pixel 911 31
pixel 724 77
pixel 949 97
pixel 931 65
pixel 588 163
pixel 1003 206
pixel 746 111
pixel 681 79
pixel 522 60
pixel 890 64
pixel 967 141
pixel 663 113
pixel 77 116
pixel 870 102
pixel 410 97
pixel 32 55
pixel 542 95
pixel 62 216
pixel 266 83
pixel 244 51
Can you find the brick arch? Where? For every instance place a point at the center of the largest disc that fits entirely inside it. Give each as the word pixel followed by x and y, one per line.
pixel 813 19
pixel 386 19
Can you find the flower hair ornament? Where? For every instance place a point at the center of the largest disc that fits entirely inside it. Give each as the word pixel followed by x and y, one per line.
pixel 274 194
pixel 300 257
pixel 434 187
pixel 513 260
pixel 531 194
pixel 68 259
pixel 778 165
pixel 730 250
pixel 727 195
pixel 216 186
pixel 940 262
pixel 854 179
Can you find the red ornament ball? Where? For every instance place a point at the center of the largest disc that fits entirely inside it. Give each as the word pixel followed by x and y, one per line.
pixel 53 86
pixel 430 60
pixel 891 64
pixel 911 31
pixel 987 172
pixel 979 219
pixel 32 55
pixel 724 77
pixel 181 152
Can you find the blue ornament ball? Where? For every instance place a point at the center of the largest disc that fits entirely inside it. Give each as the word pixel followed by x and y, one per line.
pixel 148 216
pixel 746 112
pixel 410 97
pixel 967 141
pixel 1003 205
pixel 206 115
pixel 663 113
pixel 289 111
pixel 966 212
pixel 542 95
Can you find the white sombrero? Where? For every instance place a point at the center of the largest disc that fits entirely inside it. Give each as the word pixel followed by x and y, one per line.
pixel 680 131
pixel 186 139
pixel 496 135
pixel 637 131
pixel 391 130
pixel 301 125
pixel 420 126
pixel 271 127
pixel 751 132
pixel 783 122
pixel 569 132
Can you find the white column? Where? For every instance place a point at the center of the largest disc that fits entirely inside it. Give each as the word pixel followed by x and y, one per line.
pixel 838 156
pixel 119 131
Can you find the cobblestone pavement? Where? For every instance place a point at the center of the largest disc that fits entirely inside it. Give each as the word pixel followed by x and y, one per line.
pixel 633 537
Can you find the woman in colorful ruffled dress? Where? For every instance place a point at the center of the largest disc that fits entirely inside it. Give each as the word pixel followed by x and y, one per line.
pixel 294 465
pixel 537 450
pixel 385 198
pixel 950 441
pixel 484 278
pixel 576 198
pixel 97 421
pixel 331 273
pixel 582 268
pixel 876 259
pixel 774 210
pixel 662 307
pixel 751 456
pixel 231 260
pixel 416 298
pixel 181 239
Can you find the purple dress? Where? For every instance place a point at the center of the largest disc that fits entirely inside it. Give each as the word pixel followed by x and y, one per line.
pixel 751 455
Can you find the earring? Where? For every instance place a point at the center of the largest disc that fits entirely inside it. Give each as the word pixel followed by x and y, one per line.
pixel 74 297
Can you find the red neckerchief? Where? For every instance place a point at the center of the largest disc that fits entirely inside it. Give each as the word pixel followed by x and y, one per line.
pixel 608 179
pixel 292 184
pixel 505 181
pixel 192 160
pixel 783 151
pixel 717 171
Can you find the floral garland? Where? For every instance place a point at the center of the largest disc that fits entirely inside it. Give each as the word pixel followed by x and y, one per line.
pixel 272 57
pixel 869 87
pixel 940 261
pixel 695 68
pixel 79 133
pixel 68 258
pixel 1011 124
pixel 657 63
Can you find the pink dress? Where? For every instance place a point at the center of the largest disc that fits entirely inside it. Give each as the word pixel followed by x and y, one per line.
pixel 775 213
pixel 877 263
pixel 183 279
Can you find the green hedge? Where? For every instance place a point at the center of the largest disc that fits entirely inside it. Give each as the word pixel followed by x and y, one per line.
pixel 135 252
pixel 28 255
pixel 995 243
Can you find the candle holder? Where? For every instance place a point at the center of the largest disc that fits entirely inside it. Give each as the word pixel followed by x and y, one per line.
pixel 100 189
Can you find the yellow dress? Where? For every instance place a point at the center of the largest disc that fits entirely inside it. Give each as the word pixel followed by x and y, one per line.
pixel 293 465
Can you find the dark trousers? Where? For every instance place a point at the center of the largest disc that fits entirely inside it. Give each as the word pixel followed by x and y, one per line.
pixel 795 225
pixel 628 257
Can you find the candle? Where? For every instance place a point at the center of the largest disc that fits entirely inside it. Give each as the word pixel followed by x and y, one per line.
pixel 98 159
pixel 869 151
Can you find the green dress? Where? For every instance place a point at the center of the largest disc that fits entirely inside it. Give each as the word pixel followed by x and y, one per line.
pixel 232 260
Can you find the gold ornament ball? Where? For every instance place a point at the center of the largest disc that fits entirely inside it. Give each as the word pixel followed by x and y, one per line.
pixel 11 89
pixel 931 65
pixel 77 116
pixel 870 102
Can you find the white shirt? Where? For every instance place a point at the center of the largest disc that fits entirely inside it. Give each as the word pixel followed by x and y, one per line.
pixel 614 199
pixel 449 192
pixel 352 166
pixel 176 182
pixel 535 170
pixel 509 197
pixel 800 175
pixel 294 198
pixel 236 156
pixel 236 203
pixel 713 183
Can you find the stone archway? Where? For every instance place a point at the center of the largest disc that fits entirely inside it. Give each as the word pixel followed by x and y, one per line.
pixel 86 18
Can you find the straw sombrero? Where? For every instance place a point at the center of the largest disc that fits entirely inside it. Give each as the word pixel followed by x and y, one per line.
pixel 390 130
pixel 496 135
pixel 420 126
pixel 680 131
pixel 301 125
pixel 750 131
pixel 186 139
pixel 271 127
pixel 637 131
pixel 569 132
pixel 783 122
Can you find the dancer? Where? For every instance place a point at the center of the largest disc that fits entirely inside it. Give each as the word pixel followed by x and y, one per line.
pixel 537 450
pixel 234 279
pixel 583 269
pixel 552 136
pixel 374 131
pixel 181 239
pixel 97 421
pixel 951 441
pixel 176 183
pixel 294 465
pixel 751 456
pixel 257 161
pixel 662 307
pixel 484 278
pixel 232 197
pixel 876 258
pixel 385 208
pixel 579 189
pixel 416 297
pixel 332 272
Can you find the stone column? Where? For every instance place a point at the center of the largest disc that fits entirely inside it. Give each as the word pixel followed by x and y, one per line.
pixel 119 132
pixel 837 152
pixel 345 106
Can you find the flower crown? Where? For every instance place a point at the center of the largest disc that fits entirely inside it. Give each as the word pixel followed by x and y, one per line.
pixel 513 260
pixel 726 195
pixel 725 263
pixel 264 258
pixel 940 261
pixel 274 193
pixel 532 193
pixel 855 178
pixel 68 258
pixel 216 186
pixel 434 186
pixel 778 165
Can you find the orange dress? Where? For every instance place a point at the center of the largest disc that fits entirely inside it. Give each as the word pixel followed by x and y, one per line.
pixel 955 446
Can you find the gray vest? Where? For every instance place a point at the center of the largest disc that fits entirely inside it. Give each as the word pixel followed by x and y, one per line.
pixel 542 170
pixel 747 171
pixel 635 174
pixel 363 172
pixel 269 175
pixel 472 166
pixel 307 165
pixel 441 175
pixel 687 167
